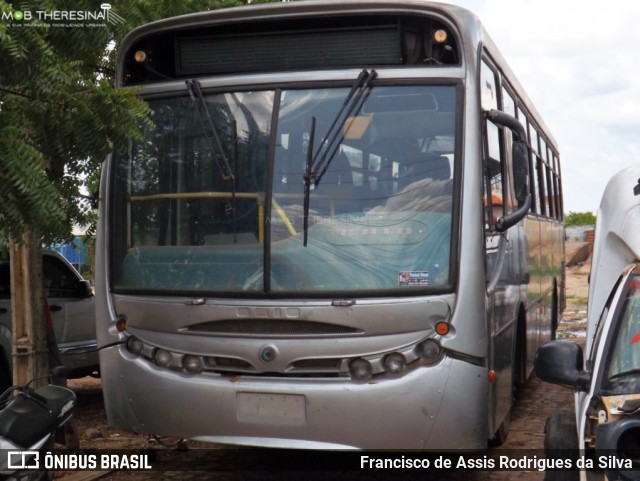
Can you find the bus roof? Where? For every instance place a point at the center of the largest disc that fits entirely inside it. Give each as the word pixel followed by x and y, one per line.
pixel 468 26
pixel 617 240
pixel 295 9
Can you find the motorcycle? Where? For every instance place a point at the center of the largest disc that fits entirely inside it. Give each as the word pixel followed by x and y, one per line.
pixel 28 423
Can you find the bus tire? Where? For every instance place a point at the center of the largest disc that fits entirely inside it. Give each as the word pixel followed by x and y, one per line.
pixel 500 436
pixel 555 316
pixel 520 354
pixel 561 442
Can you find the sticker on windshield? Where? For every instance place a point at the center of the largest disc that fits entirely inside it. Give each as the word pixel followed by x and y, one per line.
pixel 413 278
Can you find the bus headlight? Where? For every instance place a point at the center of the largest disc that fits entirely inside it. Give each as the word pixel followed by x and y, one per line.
pixel 360 369
pixel 429 350
pixel 192 364
pixel 395 363
pixel 440 36
pixel 140 56
pixel 134 345
pixel 162 358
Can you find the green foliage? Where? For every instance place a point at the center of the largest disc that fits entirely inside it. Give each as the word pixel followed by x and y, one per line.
pixel 579 218
pixel 57 120
pixel 59 111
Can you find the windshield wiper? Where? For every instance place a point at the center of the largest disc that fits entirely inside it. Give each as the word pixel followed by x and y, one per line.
pixel 209 128
pixel 234 158
pixel 318 164
pixel 210 132
pixel 335 134
pixel 307 182
pixel 630 372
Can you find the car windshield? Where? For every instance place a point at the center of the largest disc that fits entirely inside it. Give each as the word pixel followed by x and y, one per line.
pixel 624 361
pixel 217 197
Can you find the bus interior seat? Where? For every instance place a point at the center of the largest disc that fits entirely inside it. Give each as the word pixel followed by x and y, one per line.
pixel 433 173
pixel 394 153
pixel 336 186
pixel 431 166
pixel 333 194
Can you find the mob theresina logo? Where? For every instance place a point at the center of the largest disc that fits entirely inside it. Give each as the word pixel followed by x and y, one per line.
pixel 105 14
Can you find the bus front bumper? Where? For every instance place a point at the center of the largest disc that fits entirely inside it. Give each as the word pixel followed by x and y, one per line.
pixel 441 407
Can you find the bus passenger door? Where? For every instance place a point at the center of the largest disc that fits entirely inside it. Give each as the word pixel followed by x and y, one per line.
pixel 504 267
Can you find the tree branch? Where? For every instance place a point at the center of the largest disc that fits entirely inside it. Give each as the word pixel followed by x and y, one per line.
pixel 18 94
pixel 29 97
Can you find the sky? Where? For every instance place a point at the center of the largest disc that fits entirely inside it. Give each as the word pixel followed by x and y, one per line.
pixel 579 62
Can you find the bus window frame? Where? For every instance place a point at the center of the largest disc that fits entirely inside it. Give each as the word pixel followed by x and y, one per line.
pixel 485 62
pixel 533 170
pixel 448 288
pixel 507 90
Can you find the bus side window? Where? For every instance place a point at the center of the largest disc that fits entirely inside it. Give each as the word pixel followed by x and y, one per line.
pixel 536 205
pixel 493 200
pixel 509 107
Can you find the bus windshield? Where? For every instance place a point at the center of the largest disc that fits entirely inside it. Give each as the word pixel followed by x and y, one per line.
pixel 212 198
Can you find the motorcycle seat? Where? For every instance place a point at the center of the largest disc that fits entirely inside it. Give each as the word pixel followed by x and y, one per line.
pixel 25 421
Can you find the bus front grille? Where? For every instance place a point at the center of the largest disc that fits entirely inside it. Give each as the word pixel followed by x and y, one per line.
pixel 271 327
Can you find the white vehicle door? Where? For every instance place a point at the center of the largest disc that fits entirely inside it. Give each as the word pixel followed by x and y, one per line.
pixel 72 310
pixel 596 353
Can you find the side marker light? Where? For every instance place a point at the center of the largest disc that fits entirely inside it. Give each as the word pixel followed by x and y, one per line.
pixel 442 328
pixel 121 324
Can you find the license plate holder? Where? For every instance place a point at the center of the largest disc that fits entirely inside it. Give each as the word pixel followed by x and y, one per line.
pixel 271 408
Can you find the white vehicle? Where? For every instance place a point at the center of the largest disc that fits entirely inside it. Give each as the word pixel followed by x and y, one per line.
pixel 606 423
pixel 72 306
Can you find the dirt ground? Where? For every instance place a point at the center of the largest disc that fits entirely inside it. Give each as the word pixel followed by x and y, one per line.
pixel 577 285
pixel 576 292
pixel 534 403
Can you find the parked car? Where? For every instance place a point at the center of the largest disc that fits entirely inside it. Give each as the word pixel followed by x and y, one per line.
pixel 606 420
pixel 72 306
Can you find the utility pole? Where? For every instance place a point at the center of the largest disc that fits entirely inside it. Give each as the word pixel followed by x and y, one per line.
pixel 30 354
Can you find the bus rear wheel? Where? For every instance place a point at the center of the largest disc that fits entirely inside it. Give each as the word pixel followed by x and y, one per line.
pixel 520 354
pixel 500 436
pixel 555 313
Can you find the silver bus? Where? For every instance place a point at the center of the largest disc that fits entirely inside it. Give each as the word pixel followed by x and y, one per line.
pixel 342 229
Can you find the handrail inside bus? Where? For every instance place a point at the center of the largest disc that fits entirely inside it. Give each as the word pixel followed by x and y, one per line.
pixel 259 196
pixel 218 195
pixel 198 195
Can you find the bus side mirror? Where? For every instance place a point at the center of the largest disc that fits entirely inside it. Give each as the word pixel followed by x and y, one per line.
pixel 520 160
pixel 561 362
pixel 521 186
pixel 509 220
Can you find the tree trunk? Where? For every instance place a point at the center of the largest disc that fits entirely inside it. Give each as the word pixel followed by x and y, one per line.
pixel 30 353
